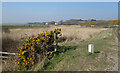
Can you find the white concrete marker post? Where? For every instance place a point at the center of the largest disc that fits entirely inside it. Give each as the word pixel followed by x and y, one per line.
pixel 91 48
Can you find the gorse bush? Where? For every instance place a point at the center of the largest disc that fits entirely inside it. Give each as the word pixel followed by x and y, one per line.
pixel 44 44
pixel 109 22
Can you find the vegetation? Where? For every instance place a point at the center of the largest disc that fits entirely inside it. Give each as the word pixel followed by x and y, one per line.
pixel 23 26
pixel 76 57
pixel 42 52
pixel 109 22
pixel 72 56
pixel 44 44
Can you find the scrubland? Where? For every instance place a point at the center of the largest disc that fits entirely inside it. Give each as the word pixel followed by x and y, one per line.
pixel 75 40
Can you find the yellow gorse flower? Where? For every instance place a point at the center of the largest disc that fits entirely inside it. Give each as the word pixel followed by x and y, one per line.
pixel 44 41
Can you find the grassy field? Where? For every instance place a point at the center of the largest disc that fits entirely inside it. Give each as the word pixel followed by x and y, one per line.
pixel 74 55
pixel 77 58
pixel 22 26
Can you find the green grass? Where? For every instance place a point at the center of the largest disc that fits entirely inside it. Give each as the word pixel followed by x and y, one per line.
pixel 75 56
pixel 23 26
pixel 58 58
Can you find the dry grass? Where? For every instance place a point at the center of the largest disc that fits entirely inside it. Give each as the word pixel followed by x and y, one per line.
pixel 10 64
pixel 74 32
pixel 12 38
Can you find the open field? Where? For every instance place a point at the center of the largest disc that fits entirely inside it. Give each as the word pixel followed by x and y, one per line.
pixel 76 40
pixel 73 32
pixel 17 35
pixel 78 58
pixel 22 26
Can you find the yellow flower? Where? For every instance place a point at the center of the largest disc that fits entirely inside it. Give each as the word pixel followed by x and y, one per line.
pixel 55 49
pixel 24 52
pixel 32 62
pixel 26 63
pixel 18 62
pixel 32 48
pixel 24 60
pixel 28 47
pixel 30 58
pixel 23 63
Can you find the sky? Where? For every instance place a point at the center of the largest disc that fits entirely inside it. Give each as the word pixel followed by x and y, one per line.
pixel 24 12
pixel 59 0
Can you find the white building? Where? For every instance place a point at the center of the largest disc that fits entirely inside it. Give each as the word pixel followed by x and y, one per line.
pixel 46 23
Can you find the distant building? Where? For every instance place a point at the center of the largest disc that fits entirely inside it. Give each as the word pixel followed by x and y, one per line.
pixel 50 23
pixel 46 23
pixel 58 23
